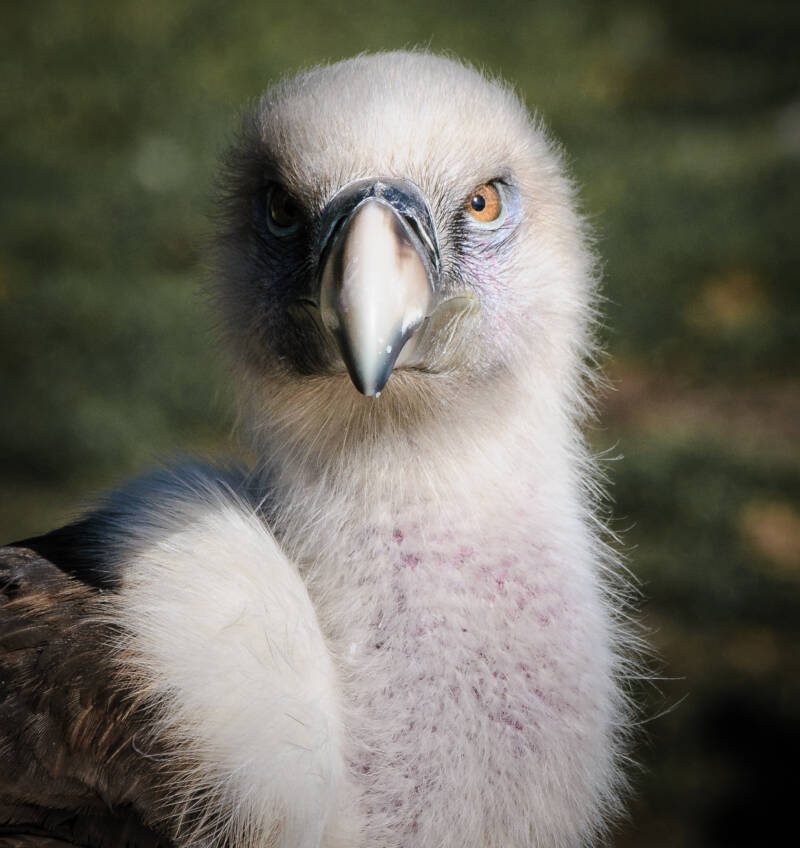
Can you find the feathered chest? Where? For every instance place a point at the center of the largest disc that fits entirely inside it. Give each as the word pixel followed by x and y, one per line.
pixel 466 659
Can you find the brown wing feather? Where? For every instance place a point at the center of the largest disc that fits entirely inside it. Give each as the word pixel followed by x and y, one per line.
pixel 71 770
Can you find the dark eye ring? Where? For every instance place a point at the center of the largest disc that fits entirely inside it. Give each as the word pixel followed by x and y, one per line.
pixel 283 214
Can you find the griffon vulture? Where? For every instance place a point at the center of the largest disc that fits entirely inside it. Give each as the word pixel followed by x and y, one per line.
pixel 398 628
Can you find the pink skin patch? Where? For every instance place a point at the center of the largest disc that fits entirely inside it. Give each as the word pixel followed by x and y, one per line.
pixel 504 583
pixel 450 633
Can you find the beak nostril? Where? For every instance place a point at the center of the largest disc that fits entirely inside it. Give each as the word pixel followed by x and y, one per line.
pixel 421 233
pixel 329 237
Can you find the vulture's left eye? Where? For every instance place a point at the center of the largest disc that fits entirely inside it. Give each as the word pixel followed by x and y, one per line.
pixel 283 214
pixel 486 206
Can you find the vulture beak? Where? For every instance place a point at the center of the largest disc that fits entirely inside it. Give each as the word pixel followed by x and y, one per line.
pixel 379 275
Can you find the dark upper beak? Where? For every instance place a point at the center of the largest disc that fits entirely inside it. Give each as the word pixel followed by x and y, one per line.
pixel 379 274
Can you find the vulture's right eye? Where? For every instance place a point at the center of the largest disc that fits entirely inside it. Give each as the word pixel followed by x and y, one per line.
pixel 283 214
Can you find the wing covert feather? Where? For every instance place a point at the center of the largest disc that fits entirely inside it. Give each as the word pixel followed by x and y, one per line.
pixel 68 731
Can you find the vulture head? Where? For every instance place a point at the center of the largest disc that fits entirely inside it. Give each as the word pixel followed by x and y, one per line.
pixel 400 250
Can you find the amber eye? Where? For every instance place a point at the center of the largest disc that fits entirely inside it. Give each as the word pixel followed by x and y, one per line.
pixel 485 205
pixel 283 214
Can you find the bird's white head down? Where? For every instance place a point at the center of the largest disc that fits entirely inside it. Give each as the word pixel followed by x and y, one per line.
pixel 401 217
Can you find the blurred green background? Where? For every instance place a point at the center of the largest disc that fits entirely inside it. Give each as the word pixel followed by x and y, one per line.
pixel 682 123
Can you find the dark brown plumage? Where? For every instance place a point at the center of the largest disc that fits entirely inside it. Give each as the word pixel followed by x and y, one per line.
pixel 73 767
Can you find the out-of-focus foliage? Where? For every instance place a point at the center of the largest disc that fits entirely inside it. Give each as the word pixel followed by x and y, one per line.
pixel 682 124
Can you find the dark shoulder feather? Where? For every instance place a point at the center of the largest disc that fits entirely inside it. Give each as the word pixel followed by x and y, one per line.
pixel 77 550
pixel 71 771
